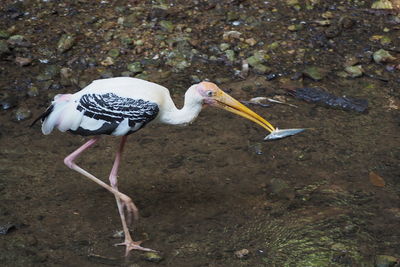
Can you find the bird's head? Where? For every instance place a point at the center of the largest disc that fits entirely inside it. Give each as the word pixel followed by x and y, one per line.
pixel 212 95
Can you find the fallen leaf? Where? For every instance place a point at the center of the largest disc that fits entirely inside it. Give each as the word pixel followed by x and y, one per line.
pixel 376 180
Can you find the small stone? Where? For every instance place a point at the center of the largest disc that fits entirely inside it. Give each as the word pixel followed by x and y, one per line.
pixel 6 228
pixel 382 56
pixel 241 254
pixel 224 46
pixel 114 53
pixel 108 61
pixel 382 4
pixel 232 15
pixel 230 35
pixel 251 41
pixel 21 114
pixel 261 68
pixel 4 34
pixel 18 40
pixel 350 61
pixel 33 91
pixel 49 73
pixel 167 25
pixel 385 261
pixel 354 71
pixel 66 75
pixel 8 102
pixel 325 22
pixel 135 67
pixel 327 15
pixel 385 40
pixel 65 43
pixel 23 61
pixel 152 257
pixel 230 54
pixel 314 73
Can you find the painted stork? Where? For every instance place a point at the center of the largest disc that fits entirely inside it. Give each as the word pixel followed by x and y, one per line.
pixel 121 106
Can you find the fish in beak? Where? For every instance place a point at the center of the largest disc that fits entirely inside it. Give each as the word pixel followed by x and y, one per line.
pixel 214 96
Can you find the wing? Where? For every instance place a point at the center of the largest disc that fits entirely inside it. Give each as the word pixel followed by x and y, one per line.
pixel 113 115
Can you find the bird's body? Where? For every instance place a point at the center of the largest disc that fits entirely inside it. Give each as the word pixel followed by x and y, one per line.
pixel 121 106
pixel 116 106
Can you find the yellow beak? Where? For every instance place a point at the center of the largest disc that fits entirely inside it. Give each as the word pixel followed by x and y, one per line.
pixel 225 101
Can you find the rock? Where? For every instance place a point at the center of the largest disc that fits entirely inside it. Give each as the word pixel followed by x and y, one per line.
pixel 224 46
pixel 23 61
pixel 7 101
pixel 314 73
pixel 66 75
pixel 114 53
pixel 385 261
pixel 48 73
pixel 135 67
pixel 230 35
pixel 167 25
pixel 152 257
pixel 354 71
pixel 65 43
pixel 18 40
pixel 295 27
pixel 4 34
pixel 241 254
pixel 33 91
pixel 261 68
pixel 108 61
pixel 230 55
pixel 382 4
pixel 382 56
pixel 21 114
pixel 6 228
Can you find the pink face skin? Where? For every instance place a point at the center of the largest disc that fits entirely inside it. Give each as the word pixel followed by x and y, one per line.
pixel 208 91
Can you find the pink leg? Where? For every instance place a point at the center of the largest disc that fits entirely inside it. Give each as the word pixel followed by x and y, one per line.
pixel 123 199
pixel 129 243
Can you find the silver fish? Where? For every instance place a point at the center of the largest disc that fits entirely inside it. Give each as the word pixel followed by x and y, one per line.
pixel 278 134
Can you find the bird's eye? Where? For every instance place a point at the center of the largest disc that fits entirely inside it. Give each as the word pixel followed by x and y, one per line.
pixel 210 93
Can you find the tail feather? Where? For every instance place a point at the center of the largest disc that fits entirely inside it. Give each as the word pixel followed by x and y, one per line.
pixel 60 114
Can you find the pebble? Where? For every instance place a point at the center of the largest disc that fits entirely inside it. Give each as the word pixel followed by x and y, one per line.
pixel 382 56
pixel 33 91
pixel 152 257
pixel 22 114
pixel 23 61
pixel 135 67
pixel 385 261
pixel 354 71
pixel 65 43
pixel 314 73
pixel 241 254
pixel 8 102
pixel 6 228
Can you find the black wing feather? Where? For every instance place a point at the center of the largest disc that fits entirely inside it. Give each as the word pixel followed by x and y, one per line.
pixel 113 109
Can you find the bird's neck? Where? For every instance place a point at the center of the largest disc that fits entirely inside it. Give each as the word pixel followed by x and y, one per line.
pixel 184 116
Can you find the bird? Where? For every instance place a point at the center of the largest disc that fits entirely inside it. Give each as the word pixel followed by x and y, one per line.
pixel 120 106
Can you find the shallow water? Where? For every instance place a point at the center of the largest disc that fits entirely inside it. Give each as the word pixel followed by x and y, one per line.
pixel 212 188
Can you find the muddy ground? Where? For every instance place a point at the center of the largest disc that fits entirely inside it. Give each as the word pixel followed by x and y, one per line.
pixel 327 197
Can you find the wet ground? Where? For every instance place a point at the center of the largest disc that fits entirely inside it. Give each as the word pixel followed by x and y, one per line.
pixel 212 193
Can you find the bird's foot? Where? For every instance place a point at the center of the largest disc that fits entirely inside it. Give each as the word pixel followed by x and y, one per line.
pixel 131 245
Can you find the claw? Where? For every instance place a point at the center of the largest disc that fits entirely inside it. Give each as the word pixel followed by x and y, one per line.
pixel 131 245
